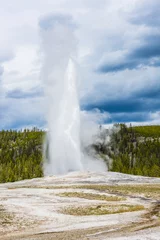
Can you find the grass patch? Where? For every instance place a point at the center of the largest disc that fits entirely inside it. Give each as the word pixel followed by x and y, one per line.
pixel 101 209
pixel 148 190
pixel 91 196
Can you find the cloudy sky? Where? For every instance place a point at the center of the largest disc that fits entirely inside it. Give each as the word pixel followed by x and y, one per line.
pixel 118 59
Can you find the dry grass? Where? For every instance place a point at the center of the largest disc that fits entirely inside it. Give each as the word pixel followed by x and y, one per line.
pixel 91 196
pixel 10 222
pixel 154 211
pixel 101 209
pixel 147 190
pixel 5 218
pixel 44 187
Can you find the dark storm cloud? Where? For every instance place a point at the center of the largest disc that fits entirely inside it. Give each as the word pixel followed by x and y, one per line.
pixel 116 67
pixel 126 105
pixel 130 108
pixel 116 106
pixel 146 54
pixel 149 93
pixel 126 110
pixel 123 117
pixel 130 117
pixel 150 49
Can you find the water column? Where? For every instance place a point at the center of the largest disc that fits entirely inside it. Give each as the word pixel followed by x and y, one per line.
pixel 62 105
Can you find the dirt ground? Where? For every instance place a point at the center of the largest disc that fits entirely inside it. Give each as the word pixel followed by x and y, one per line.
pixel 81 206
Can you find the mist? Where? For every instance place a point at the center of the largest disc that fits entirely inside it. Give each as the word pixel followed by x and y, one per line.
pixel 68 130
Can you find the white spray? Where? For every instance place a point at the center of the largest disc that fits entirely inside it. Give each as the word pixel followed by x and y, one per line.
pixel 62 146
pixel 59 75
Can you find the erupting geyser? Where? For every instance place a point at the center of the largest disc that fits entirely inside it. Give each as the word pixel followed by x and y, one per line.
pixel 63 135
pixel 63 115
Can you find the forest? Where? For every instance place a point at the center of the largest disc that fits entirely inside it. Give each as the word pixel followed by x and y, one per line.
pixel 20 154
pixel 133 150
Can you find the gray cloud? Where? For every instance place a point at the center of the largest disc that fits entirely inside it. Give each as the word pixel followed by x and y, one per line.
pixel 6 56
pixel 127 109
pixel 126 105
pixel 146 13
pixel 17 113
pixel 18 93
pixel 150 48
pixel 146 54
pixel 131 117
pixel 149 93
pixel 1 70
pixel 104 28
pixel 49 21
pixel 135 105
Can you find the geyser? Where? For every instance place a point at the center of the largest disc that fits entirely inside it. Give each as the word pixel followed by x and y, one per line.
pixel 63 114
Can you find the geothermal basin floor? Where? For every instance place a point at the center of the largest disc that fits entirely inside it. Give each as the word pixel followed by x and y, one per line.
pixel 81 205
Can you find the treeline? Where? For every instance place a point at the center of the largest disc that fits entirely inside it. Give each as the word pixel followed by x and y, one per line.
pixel 20 154
pixel 133 150
pixel 146 131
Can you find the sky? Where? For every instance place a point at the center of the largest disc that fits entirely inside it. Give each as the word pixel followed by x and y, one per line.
pixel 118 60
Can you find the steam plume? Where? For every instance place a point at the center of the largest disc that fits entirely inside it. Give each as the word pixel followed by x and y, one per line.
pixel 59 74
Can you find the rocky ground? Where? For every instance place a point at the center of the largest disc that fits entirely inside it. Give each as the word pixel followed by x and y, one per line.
pixel 81 206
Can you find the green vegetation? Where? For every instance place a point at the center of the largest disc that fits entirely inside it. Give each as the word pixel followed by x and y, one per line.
pixel 101 209
pixel 137 151
pixel 147 131
pixel 91 196
pixel 20 155
pixel 134 150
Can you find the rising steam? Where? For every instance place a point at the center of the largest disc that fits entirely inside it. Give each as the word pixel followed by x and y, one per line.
pixel 62 145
